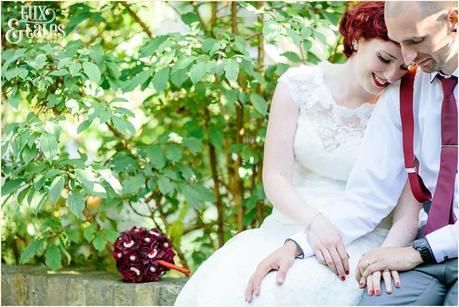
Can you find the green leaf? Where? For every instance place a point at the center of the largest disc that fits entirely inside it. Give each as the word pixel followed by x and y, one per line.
pixel 99 243
pixel 132 185
pixel 31 250
pixel 48 146
pixel 150 48
pixel 156 156
pixel 53 257
pixel 183 63
pixel 190 194
pixel 160 79
pixel 216 136
pixel 194 145
pixel 92 71
pixel 174 153
pixel 86 178
pixel 84 125
pixel 189 18
pixel 55 189
pixel 14 98
pixel 59 73
pixel 259 103
pixel 123 126
pixel 111 180
pixel 76 204
pixel 89 232
pixel 21 72
pixel 11 186
pixel 74 68
pixel 165 185
pixel 292 56
pixel 198 71
pixel 109 235
pixel 179 76
pixel 63 62
pixel 241 45
pixel 231 70
pixel 137 80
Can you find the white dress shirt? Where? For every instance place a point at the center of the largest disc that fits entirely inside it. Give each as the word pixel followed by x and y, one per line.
pixel 378 177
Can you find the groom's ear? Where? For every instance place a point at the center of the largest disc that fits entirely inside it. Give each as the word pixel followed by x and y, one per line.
pixel 452 19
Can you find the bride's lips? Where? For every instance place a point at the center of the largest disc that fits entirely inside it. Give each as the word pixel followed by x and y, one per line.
pixel 379 82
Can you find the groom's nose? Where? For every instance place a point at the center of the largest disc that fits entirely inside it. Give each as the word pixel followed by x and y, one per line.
pixel 409 54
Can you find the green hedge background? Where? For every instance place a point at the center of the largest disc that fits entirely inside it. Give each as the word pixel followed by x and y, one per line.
pixel 124 120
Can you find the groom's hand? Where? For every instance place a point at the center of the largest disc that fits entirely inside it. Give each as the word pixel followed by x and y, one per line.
pixel 281 260
pixel 387 258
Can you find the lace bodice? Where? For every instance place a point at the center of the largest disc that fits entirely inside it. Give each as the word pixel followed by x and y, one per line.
pixel 328 135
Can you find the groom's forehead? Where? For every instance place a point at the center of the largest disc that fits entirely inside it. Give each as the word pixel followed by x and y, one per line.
pixel 402 29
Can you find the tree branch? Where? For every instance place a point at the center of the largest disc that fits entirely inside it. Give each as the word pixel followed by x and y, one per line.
pixel 137 19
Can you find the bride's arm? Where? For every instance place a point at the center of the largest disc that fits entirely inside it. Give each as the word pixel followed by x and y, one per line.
pixel 405 220
pixel 279 158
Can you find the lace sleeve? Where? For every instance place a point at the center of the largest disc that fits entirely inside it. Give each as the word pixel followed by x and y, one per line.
pixel 303 83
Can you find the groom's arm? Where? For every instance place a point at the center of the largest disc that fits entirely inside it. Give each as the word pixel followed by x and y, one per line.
pixel 377 179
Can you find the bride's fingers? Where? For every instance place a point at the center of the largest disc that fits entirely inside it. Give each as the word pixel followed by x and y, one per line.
pixel 370 285
pixel 320 256
pixel 283 269
pixel 329 260
pixel 377 283
pixel 261 272
pixel 249 290
pixel 396 278
pixel 338 263
pixel 387 281
pixel 344 257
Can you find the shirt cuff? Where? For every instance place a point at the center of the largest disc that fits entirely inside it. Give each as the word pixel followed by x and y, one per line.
pixel 301 240
pixel 443 243
pixel 300 250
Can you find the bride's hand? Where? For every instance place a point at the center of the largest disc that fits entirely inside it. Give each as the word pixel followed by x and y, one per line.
pixel 280 260
pixel 328 246
pixel 373 281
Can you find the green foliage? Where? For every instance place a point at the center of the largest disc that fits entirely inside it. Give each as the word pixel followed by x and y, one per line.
pixel 177 124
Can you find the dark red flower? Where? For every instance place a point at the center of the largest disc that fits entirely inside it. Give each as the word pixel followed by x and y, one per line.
pixel 137 252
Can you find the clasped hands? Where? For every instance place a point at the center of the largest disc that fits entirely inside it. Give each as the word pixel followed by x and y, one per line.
pixel 385 262
pixel 329 250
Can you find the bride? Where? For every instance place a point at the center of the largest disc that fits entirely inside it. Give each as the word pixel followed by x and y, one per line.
pixel 317 120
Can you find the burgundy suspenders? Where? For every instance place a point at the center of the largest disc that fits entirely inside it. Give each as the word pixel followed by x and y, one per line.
pixel 420 192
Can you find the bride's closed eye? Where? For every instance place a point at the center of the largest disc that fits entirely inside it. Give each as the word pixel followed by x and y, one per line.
pixel 383 59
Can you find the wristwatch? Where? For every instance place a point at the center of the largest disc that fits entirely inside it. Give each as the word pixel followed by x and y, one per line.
pixel 423 247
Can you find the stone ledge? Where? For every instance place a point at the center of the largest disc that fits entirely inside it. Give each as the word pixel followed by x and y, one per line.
pixel 33 285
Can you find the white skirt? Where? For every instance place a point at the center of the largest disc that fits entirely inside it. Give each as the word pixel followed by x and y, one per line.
pixel 222 279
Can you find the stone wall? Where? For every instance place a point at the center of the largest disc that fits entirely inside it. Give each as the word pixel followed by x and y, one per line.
pixel 32 285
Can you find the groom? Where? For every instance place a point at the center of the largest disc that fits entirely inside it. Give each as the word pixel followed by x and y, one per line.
pixel 427 34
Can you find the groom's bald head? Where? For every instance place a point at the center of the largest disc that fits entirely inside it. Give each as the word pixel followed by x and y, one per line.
pixel 419 9
pixel 426 31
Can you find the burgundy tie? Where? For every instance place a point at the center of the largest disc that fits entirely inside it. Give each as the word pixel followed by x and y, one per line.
pixel 441 211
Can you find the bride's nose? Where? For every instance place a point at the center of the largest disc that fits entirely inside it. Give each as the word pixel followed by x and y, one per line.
pixel 393 75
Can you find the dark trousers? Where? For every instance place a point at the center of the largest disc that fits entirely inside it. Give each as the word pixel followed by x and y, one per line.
pixel 427 284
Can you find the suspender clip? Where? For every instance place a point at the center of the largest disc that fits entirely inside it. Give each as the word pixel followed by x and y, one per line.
pixel 411 170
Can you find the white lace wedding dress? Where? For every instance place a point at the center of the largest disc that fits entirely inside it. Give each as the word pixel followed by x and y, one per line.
pixel 326 145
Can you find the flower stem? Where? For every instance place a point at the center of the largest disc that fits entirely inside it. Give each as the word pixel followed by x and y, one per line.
pixel 174 267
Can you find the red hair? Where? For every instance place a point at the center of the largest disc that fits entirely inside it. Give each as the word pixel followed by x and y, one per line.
pixel 365 20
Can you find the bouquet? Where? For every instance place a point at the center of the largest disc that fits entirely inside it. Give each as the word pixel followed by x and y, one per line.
pixel 143 255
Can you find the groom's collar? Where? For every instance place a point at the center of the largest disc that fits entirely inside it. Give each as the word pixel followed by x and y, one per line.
pixel 433 75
